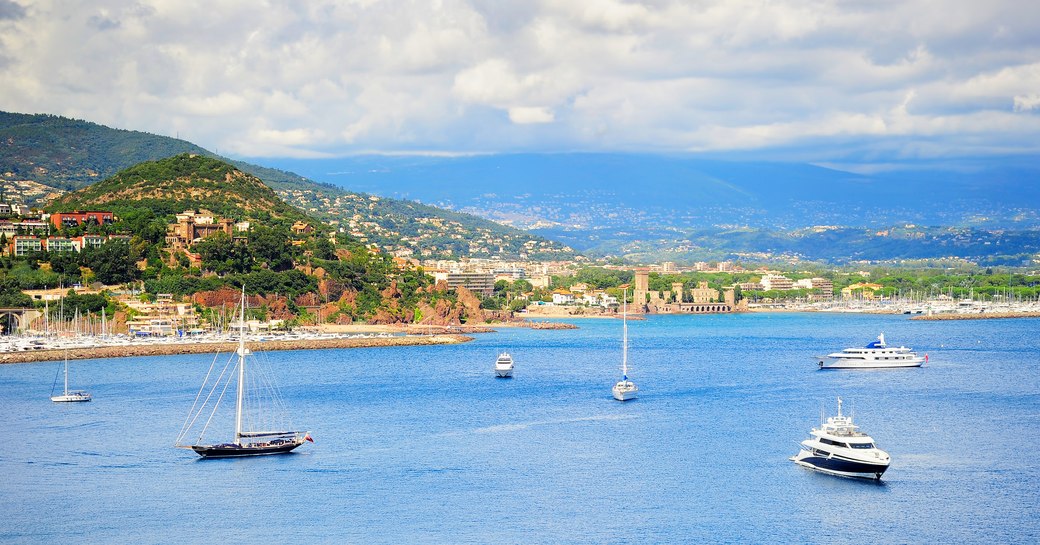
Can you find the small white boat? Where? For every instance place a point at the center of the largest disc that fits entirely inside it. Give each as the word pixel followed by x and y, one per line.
pixel 837 447
pixel 69 396
pixel 625 389
pixel 876 355
pixel 504 365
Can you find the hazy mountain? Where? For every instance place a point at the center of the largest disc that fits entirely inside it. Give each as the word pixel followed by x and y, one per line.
pixel 648 207
pixel 604 190
pixel 42 156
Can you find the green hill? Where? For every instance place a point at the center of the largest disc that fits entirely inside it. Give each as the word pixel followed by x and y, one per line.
pixel 182 182
pixel 39 152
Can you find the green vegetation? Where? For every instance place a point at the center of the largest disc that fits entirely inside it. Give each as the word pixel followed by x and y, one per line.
pixel 183 182
pixel 70 154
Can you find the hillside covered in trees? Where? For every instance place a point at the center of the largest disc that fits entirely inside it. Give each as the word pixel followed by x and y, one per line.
pixel 297 269
pixel 69 154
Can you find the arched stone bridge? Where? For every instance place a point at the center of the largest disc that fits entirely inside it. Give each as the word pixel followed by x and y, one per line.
pixel 13 320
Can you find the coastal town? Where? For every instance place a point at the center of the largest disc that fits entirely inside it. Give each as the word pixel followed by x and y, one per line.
pixel 136 322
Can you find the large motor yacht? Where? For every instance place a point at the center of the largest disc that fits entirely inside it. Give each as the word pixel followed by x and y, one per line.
pixel 504 365
pixel 876 355
pixel 839 448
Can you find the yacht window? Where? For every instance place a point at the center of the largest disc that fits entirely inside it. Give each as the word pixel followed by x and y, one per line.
pixel 862 445
pixel 826 441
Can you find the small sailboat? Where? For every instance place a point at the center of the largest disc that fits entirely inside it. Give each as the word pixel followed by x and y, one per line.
pixel 256 431
pixel 625 389
pixel 69 395
pixel 504 365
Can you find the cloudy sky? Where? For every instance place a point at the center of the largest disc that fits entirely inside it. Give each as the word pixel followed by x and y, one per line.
pixel 874 81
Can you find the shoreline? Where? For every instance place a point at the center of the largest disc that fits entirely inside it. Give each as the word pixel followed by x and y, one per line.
pixel 173 349
pixel 977 316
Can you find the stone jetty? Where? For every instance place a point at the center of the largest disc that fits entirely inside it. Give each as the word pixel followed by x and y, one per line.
pixel 167 349
pixel 976 316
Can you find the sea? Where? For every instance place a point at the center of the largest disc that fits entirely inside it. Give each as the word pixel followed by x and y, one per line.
pixel 425 445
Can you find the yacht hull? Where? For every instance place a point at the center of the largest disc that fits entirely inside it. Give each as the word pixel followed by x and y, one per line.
pixel 622 394
pixel 849 364
pixel 840 466
pixel 236 451
pixel 504 373
pixel 71 398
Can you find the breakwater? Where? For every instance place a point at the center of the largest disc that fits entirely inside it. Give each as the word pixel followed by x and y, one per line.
pixel 167 349
pixel 976 316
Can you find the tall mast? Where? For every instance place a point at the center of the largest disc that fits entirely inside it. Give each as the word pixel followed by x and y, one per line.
pixel 624 337
pixel 66 372
pixel 241 370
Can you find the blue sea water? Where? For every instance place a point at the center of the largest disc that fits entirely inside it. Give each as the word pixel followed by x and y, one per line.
pixel 424 445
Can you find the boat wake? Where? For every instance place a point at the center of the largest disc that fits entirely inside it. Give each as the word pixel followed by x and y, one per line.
pixel 526 425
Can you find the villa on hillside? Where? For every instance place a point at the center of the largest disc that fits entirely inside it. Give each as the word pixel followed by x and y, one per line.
pixel 192 226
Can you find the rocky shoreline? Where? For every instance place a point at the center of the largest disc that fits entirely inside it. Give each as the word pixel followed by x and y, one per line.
pixel 160 349
pixel 976 316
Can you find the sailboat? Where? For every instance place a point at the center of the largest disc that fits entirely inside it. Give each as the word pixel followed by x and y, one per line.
pixel 625 389
pixel 255 432
pixel 69 395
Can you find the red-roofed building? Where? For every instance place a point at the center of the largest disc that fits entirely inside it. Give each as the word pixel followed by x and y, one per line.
pixel 73 219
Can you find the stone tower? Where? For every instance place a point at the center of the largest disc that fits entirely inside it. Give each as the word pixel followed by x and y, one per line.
pixel 642 285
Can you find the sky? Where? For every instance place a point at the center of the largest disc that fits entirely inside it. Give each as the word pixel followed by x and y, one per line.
pixel 857 83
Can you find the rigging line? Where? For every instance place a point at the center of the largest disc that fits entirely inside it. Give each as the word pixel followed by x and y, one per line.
pixel 205 381
pixel 55 383
pixel 216 405
pixel 277 400
pixel 208 396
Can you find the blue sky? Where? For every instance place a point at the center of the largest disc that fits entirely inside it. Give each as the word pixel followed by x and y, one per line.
pixel 854 84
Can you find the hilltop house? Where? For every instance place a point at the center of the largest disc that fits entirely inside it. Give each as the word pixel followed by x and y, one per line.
pixel 192 226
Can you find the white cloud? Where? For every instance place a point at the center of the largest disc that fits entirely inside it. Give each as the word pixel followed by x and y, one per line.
pixel 1025 103
pixel 462 76
pixel 529 115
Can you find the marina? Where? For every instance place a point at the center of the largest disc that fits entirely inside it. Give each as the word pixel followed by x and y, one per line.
pixel 412 460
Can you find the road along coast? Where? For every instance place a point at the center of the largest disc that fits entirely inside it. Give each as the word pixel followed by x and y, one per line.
pixel 168 349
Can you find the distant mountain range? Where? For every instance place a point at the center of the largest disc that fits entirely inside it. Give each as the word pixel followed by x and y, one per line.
pixel 639 207
pixel 660 207
pixel 42 156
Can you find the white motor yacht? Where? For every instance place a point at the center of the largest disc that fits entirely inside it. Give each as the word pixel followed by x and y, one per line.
pixel 838 447
pixel 504 365
pixel 876 355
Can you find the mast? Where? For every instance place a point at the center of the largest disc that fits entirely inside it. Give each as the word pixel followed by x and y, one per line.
pixel 624 337
pixel 66 372
pixel 241 370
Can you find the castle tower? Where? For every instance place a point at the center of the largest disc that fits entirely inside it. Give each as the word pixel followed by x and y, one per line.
pixel 677 289
pixel 642 285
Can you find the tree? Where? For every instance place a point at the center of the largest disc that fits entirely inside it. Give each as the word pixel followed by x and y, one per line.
pixel 113 262
pixel 271 245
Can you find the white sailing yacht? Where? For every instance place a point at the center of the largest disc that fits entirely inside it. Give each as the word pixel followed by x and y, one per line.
pixel 69 395
pixel 256 432
pixel 625 389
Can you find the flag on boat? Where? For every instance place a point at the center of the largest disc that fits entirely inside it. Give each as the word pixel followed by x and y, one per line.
pixel 308 437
